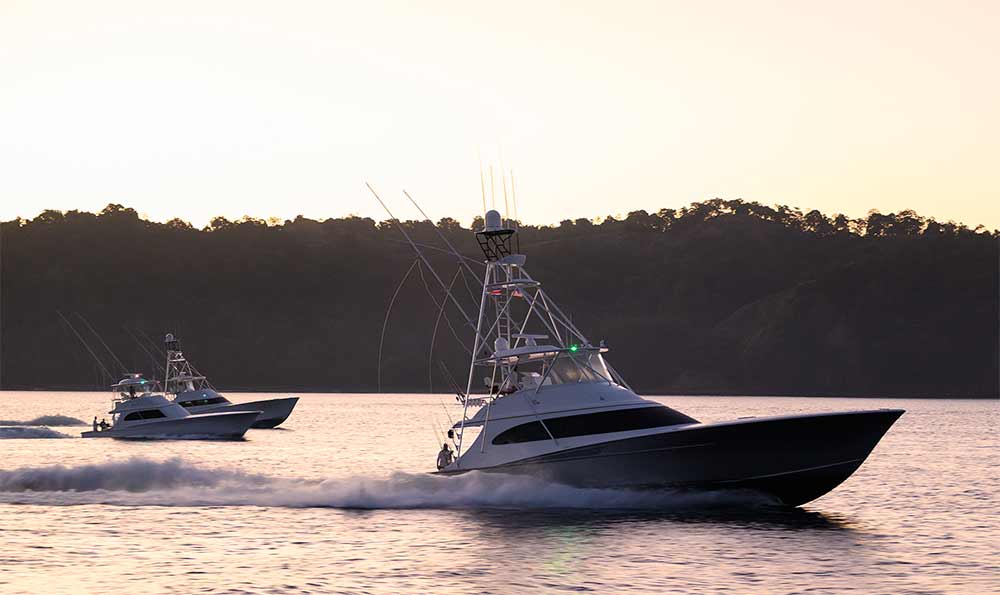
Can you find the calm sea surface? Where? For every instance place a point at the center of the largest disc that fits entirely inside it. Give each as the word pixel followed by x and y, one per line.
pixel 338 502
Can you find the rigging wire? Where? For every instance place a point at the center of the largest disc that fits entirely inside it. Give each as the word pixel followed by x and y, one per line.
pixel 468 287
pixel 402 229
pixel 444 239
pixel 437 249
pixel 386 322
pixel 437 321
pixel 121 366
pixel 447 321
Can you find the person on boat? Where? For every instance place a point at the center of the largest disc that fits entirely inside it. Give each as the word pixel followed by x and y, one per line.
pixel 104 424
pixel 95 424
pixel 131 391
pixel 445 457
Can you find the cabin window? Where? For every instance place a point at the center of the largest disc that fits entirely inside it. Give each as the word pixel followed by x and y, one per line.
pixel 146 414
pixel 199 402
pixel 529 432
pixel 604 422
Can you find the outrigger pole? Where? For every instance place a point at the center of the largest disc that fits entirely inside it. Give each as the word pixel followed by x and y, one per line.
pixel 454 252
pixel 86 346
pixel 157 366
pixel 121 366
pixel 420 254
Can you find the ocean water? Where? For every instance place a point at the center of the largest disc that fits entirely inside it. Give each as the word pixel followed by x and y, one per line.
pixel 338 501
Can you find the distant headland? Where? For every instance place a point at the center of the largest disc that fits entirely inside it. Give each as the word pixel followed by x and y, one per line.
pixel 719 297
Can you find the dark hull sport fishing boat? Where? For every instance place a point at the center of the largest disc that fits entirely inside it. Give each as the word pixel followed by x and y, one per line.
pixel 795 459
pixel 554 408
pixel 193 392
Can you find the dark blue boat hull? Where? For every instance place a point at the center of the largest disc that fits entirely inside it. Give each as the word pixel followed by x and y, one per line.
pixel 795 459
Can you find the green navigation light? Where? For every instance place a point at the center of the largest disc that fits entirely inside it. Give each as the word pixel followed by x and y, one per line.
pixel 574 348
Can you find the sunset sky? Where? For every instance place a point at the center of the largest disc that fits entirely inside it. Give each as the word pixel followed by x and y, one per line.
pixel 196 109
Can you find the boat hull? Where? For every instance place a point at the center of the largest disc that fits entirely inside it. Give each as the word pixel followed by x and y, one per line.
pixel 795 459
pixel 217 426
pixel 273 412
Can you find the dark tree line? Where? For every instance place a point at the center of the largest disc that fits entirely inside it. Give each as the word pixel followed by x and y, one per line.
pixel 722 296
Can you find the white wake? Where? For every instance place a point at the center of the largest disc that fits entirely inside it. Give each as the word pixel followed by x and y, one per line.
pixel 45 420
pixel 139 481
pixel 22 432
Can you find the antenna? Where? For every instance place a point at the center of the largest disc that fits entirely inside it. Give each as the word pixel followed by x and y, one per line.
pixel 517 219
pixel 482 183
pixel 513 196
pixel 503 181
pixel 506 208
pixel 493 190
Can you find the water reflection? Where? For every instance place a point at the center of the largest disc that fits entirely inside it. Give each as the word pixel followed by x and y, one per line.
pixel 765 517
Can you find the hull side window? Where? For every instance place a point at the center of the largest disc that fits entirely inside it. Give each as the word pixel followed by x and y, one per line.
pixel 604 422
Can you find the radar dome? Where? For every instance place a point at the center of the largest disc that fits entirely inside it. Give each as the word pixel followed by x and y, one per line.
pixel 493 220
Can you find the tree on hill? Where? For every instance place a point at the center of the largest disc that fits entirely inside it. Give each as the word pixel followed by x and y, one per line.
pixel 721 296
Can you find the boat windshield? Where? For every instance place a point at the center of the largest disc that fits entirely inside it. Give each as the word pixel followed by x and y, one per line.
pixel 565 368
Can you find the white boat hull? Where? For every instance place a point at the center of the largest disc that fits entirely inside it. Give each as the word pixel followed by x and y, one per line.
pixel 218 426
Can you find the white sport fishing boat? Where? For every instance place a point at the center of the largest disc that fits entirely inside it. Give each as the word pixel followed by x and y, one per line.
pixel 138 412
pixel 193 392
pixel 553 407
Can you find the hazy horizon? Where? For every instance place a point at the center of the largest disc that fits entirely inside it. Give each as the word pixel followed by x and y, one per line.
pixel 201 109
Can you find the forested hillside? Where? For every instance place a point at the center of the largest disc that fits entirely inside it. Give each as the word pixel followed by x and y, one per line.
pixel 725 297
